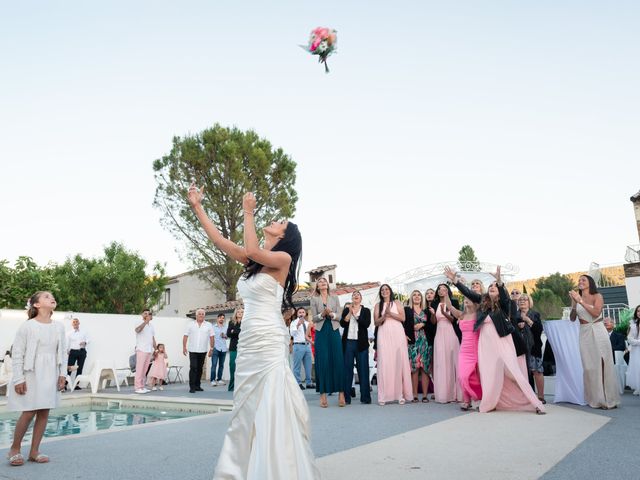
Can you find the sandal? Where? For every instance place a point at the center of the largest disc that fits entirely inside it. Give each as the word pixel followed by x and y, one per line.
pixel 540 411
pixel 415 400
pixel 544 402
pixel 465 407
pixel 40 458
pixel 401 401
pixel 16 460
pixel 324 402
pixel 425 400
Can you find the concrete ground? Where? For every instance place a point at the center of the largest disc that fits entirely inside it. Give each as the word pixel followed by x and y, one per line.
pixel 410 441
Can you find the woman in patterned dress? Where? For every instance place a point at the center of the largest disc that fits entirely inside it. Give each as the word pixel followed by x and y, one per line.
pixel 420 351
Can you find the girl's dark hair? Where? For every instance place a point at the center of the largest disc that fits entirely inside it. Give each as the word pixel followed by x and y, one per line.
pixel 158 346
pixel 291 243
pixel 436 299
pixel 392 297
pixel 593 289
pixel 636 318
pixel 33 311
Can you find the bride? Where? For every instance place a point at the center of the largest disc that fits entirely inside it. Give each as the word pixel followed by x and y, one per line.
pixel 268 435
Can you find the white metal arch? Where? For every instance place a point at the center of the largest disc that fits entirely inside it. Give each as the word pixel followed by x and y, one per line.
pixel 429 276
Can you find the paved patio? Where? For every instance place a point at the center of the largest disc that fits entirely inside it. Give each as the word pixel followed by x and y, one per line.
pixel 411 441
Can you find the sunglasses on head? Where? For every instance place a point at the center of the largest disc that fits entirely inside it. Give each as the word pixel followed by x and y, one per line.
pixel 515 293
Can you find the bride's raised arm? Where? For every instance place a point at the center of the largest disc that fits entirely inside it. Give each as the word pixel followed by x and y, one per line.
pixel 227 246
pixel 263 256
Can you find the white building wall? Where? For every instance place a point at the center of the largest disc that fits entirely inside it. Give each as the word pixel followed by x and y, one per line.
pixel 633 291
pixel 188 293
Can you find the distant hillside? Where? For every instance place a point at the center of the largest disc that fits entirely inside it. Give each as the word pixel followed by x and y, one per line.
pixel 612 276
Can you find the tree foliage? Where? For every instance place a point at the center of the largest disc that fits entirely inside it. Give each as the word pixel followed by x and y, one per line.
pixel 228 162
pixel 114 283
pixel 19 282
pixel 547 303
pixel 559 284
pixel 467 260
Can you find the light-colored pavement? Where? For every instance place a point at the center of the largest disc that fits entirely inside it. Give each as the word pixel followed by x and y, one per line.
pixel 568 443
pixel 494 446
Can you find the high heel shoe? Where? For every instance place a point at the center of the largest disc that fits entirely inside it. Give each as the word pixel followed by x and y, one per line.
pixel 323 401
pixel 341 402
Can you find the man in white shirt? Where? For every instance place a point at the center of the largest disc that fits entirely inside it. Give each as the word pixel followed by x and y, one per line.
pixel 145 345
pixel 197 340
pixel 299 330
pixel 77 347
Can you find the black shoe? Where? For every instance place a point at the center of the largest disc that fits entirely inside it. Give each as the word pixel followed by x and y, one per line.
pixel 199 389
pixel 353 391
pixel 301 386
pixel 192 391
pixel 368 402
pixel 311 385
pixel 77 388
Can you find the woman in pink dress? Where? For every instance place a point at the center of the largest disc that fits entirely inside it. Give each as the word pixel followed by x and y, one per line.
pixel 394 372
pixel 446 347
pixel 468 375
pixel 504 385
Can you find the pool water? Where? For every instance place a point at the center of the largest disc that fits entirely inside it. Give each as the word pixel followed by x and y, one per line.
pixel 71 421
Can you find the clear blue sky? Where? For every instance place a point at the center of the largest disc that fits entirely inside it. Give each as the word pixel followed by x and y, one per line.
pixel 511 126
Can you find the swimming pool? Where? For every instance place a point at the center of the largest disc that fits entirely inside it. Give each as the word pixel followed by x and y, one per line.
pixel 90 418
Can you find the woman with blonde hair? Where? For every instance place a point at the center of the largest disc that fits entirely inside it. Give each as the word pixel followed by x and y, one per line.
pixel 325 313
pixel 420 350
pixel 233 333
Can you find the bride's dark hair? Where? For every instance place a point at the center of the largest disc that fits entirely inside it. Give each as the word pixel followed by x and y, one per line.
pixel 291 243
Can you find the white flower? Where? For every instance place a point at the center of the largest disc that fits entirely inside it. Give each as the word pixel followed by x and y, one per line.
pixel 323 47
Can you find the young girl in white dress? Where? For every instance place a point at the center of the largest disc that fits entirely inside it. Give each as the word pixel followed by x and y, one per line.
pixel 39 369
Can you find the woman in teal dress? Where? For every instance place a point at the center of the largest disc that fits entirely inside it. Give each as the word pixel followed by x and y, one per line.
pixel 325 313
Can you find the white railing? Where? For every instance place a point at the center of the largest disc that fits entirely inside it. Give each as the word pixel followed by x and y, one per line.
pixel 612 310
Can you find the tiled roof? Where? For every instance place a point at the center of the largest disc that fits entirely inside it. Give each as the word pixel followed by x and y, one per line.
pixel 341 290
pixel 635 197
pixel 322 269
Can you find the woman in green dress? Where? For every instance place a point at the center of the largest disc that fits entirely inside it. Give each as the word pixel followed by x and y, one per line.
pixel 420 351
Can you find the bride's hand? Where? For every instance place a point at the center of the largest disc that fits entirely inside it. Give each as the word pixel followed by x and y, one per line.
pixel 248 202
pixel 195 195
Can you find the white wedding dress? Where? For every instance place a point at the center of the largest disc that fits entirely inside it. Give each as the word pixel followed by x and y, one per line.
pixel 268 435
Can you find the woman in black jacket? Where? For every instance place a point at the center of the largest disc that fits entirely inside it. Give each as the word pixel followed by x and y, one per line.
pixel 355 321
pixel 233 331
pixel 533 324
pixel 504 384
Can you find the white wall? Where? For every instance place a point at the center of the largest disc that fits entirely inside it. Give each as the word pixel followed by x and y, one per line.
pixel 633 291
pixel 112 337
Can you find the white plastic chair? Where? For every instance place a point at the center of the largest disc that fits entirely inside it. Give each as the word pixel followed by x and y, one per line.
pixel 122 375
pixel 98 372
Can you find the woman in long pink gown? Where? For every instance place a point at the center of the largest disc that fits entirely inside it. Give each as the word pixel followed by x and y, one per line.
pixel 394 371
pixel 468 375
pixel 504 385
pixel 445 351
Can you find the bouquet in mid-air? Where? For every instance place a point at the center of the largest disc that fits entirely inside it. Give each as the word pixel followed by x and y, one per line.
pixel 322 42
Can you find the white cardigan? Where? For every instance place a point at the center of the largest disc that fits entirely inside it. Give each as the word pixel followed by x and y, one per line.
pixel 25 349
